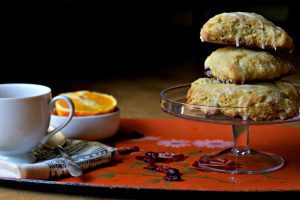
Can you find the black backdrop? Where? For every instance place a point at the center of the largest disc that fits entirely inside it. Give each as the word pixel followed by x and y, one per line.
pixel 44 41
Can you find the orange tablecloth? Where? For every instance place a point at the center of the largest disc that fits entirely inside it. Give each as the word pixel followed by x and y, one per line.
pixel 195 139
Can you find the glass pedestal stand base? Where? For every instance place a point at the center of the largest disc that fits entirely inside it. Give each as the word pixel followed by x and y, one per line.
pixel 241 159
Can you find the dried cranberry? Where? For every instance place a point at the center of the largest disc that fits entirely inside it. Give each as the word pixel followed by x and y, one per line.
pixel 167 157
pixel 172 171
pixel 151 167
pixel 128 150
pixel 151 154
pixel 162 169
pixel 163 157
pixel 172 174
pixel 123 151
pixel 172 178
pixel 167 170
pixel 165 160
pixel 166 154
pixel 149 160
pixel 178 157
pixel 134 148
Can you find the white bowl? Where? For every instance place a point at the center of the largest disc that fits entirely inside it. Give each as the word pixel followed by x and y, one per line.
pixel 96 127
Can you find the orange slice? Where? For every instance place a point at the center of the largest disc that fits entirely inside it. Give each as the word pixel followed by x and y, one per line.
pixel 86 103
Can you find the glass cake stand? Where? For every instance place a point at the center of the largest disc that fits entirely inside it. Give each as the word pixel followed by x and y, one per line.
pixel 241 159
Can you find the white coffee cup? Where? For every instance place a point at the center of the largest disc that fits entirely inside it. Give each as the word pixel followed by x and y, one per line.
pixel 25 118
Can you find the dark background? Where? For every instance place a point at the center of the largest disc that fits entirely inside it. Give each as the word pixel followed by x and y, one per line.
pixel 56 42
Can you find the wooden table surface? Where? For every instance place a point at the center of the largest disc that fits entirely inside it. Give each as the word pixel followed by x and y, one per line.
pixel 138 97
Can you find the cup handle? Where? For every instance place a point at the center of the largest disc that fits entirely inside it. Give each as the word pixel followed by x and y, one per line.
pixel 70 116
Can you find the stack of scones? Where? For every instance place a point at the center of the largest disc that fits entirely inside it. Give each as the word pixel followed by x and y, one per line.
pixel 243 80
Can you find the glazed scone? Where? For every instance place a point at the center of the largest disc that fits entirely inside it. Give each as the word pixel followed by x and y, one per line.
pixel 245 29
pixel 263 101
pixel 239 65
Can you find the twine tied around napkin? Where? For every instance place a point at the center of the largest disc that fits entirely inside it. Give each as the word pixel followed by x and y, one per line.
pixel 50 164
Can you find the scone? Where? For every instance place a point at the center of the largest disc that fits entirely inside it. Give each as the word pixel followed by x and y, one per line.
pixel 263 101
pixel 245 29
pixel 239 65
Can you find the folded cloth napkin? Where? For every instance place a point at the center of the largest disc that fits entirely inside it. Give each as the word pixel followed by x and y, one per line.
pixel 50 164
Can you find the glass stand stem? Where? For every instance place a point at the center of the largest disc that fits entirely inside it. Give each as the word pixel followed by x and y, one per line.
pixel 240 159
pixel 241 139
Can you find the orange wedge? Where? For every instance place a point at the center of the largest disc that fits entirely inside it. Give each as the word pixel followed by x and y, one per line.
pixel 86 103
